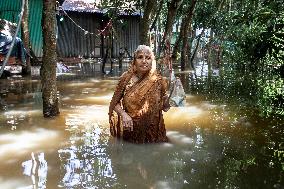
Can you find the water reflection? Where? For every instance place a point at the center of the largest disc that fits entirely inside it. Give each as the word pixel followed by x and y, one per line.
pixel 86 163
pixel 36 169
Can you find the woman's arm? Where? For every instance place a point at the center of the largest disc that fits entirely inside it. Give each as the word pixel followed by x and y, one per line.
pixel 126 119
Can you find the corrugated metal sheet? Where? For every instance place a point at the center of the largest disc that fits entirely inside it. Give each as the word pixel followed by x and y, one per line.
pixel 126 35
pixel 73 42
pixel 35 15
pixel 10 10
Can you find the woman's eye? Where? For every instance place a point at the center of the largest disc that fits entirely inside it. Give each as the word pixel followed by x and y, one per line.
pixel 139 57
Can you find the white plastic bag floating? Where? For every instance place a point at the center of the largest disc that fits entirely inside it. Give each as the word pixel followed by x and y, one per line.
pixel 177 94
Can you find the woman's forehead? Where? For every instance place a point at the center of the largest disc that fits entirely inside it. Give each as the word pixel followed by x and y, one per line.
pixel 144 52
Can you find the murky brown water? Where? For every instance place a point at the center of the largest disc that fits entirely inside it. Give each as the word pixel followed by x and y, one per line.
pixel 212 146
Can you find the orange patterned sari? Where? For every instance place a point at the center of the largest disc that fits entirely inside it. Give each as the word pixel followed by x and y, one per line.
pixel 142 100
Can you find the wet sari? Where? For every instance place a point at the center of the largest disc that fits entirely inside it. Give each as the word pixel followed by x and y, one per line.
pixel 142 101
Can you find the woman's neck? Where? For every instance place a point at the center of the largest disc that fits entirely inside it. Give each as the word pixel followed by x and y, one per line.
pixel 141 75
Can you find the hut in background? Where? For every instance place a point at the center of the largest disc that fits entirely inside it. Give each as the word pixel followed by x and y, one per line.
pixel 73 42
pixel 84 31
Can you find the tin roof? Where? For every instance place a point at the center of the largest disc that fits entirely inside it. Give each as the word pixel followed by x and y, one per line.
pixel 91 6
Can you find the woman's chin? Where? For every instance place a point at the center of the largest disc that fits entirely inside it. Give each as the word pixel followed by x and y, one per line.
pixel 143 70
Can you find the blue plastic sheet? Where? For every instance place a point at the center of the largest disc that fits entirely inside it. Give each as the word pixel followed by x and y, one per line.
pixel 18 50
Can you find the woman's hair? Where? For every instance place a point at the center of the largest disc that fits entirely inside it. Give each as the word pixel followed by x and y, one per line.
pixel 144 48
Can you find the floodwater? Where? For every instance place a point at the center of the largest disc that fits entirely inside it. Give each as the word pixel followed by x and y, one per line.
pixel 211 145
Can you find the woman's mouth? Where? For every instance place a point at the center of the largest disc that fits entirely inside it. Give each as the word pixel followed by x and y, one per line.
pixel 144 67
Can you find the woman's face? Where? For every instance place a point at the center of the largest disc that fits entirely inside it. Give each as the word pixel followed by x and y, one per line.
pixel 143 62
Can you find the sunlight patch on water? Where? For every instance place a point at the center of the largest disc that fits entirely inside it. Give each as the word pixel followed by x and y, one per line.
pixel 161 185
pixel 178 138
pixel 167 145
pixel 12 183
pixel 14 144
pixel 100 81
pixel 22 112
pixel 91 83
pixel 65 98
pixel 178 116
pixel 91 112
pixel 66 74
pixel 178 112
pixel 207 105
pixel 79 84
pixel 99 99
pixel 87 116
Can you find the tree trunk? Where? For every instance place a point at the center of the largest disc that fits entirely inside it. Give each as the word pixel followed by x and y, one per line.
pixel 181 35
pixel 157 15
pixel 184 56
pixel 145 22
pixel 26 36
pixel 48 68
pixel 221 64
pixel 172 11
pixel 183 39
pixel 209 58
pixel 195 49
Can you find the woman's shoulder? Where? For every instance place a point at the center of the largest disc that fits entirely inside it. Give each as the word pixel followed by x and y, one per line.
pixel 124 78
pixel 125 75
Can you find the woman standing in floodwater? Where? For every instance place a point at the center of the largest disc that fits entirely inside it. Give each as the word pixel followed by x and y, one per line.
pixel 135 111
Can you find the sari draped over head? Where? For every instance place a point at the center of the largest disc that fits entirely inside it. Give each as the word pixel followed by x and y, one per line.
pixel 142 101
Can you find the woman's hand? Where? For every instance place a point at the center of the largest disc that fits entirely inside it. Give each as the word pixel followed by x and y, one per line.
pixel 166 103
pixel 127 121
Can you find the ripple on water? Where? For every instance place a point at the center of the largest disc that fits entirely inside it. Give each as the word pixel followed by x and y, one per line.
pixel 20 142
pixel 178 138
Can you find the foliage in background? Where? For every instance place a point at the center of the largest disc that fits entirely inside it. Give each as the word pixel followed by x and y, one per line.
pixel 251 36
pixel 244 41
